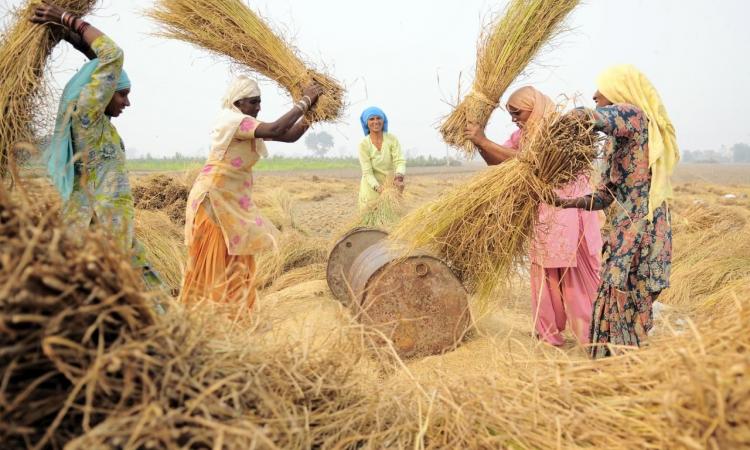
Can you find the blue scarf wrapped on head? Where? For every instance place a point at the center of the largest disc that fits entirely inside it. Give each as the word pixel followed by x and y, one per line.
pixel 59 153
pixel 373 111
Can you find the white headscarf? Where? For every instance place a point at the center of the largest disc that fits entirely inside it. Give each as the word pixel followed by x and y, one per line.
pixel 230 117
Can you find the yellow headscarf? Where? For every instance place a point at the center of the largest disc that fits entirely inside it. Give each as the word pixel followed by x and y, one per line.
pixel 626 84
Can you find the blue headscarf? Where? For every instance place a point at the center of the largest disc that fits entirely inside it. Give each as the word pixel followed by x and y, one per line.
pixel 373 111
pixel 59 153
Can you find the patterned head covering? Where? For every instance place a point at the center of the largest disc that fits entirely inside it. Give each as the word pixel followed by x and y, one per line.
pixel 626 84
pixel 372 111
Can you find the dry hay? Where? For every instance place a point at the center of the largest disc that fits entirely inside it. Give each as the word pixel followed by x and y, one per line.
pixel 24 97
pixel 314 271
pixel 384 211
pixel 85 363
pixel 714 244
pixel 65 302
pixel 294 250
pixel 86 347
pixel 230 28
pixel 162 193
pixel 482 228
pixel 164 244
pixel 276 206
pixel 503 53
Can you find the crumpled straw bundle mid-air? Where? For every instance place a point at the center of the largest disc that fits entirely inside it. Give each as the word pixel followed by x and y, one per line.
pixel 24 98
pixel 230 28
pixel 504 51
pixel 482 228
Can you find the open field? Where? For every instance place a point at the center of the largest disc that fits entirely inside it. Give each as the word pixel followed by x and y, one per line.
pixel 500 388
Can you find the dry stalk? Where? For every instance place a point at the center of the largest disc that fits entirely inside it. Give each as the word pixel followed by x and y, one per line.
pixel 231 29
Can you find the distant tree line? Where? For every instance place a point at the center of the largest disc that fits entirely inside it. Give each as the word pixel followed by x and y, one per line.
pixel 739 153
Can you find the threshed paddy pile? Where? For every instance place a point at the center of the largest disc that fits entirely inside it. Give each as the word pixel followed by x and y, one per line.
pixel 304 372
pixel 84 362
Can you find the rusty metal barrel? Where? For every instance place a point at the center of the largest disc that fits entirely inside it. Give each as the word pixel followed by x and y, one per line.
pixel 341 258
pixel 415 300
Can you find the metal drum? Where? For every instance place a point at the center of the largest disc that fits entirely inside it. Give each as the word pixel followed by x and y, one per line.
pixel 346 250
pixel 414 300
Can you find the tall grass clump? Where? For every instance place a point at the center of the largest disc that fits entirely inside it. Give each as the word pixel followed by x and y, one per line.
pixel 504 51
pixel 24 97
pixel 232 29
pixel 482 228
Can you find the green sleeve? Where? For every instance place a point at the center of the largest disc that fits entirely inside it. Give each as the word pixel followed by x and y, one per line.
pixel 397 156
pixel 365 162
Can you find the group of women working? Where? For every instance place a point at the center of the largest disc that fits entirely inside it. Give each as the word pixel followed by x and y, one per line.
pixel 603 286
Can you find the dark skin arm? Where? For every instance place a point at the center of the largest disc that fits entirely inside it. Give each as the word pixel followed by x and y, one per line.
pixel 295 132
pixel 288 128
pixel 492 152
pixel 591 202
pixel 47 13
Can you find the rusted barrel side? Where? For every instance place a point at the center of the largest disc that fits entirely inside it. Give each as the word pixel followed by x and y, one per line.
pixel 416 301
pixel 343 254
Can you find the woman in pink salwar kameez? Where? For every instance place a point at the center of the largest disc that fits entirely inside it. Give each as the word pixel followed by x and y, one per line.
pixel 566 251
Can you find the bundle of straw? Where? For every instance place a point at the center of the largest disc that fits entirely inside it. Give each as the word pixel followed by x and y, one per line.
pixel 482 228
pixel 230 28
pixel 503 53
pixel 24 98
pixel 384 211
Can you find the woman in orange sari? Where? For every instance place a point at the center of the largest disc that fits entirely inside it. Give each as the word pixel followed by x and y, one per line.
pixel 224 229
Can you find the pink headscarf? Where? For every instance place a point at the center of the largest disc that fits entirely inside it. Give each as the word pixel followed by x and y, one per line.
pixel 528 98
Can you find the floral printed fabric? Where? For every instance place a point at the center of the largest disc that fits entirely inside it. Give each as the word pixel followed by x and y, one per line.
pixel 637 252
pixel 101 189
pixel 224 187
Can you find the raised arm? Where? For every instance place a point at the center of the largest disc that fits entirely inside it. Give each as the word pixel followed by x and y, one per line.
pixel 287 128
pixel 48 13
pixel 98 92
pixel 492 152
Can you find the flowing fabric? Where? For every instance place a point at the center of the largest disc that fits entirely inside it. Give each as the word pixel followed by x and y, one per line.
pixel 626 84
pixel 212 273
pixel 637 254
pixel 367 114
pixel 60 151
pixel 224 228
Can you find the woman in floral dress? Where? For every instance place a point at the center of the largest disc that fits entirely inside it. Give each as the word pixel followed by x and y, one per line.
pixel 224 229
pixel 638 248
pixel 86 156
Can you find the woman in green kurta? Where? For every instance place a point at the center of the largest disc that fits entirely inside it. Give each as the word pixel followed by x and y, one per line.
pixel 86 156
pixel 380 157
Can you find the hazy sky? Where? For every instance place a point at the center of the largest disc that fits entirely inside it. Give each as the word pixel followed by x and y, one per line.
pixel 407 56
